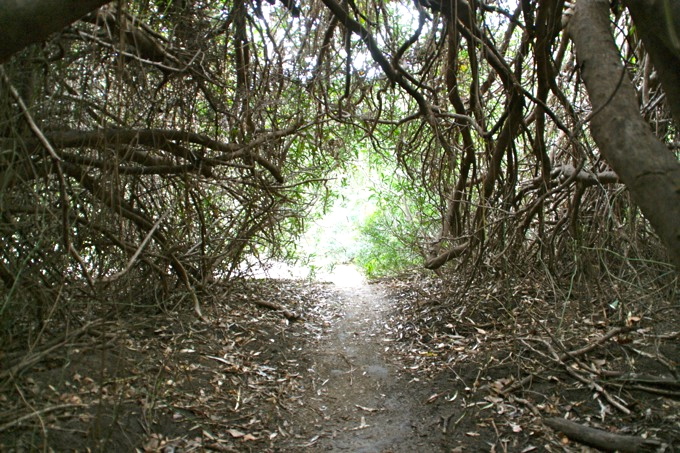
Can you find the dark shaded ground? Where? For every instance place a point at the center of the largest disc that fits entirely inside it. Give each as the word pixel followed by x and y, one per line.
pixel 397 366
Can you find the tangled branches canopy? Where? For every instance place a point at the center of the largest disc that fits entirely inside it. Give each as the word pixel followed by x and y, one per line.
pixel 159 143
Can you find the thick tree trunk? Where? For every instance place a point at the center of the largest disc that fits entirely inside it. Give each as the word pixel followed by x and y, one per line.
pixel 658 24
pixel 647 167
pixel 24 22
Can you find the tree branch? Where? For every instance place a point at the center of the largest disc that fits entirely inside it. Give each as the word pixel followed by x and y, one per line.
pixel 24 22
pixel 649 169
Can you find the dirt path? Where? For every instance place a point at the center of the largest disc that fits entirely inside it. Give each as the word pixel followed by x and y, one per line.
pixel 388 367
pixel 358 399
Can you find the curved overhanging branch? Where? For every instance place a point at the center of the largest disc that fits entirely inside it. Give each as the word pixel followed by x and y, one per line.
pixel 29 21
pixel 372 45
pixel 647 167
pixel 168 140
pixel 448 255
pixel 131 148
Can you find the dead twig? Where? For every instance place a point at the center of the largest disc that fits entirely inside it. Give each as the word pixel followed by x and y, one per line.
pixel 37 413
pixel 290 316
pixel 33 358
pixel 141 247
pixel 602 439
pixel 598 388
pixel 571 354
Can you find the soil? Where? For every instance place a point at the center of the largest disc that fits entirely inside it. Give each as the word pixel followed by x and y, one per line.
pixel 358 398
pixel 399 365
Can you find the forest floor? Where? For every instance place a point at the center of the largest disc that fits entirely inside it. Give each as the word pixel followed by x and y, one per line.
pixel 399 365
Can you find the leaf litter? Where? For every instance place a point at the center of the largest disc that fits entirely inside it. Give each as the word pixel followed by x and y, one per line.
pixel 400 365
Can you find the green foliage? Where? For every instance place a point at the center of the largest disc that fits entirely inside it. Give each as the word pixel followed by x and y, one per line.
pixel 390 237
pixel 382 251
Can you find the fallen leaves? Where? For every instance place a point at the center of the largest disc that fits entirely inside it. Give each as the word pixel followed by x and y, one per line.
pixel 236 434
pixel 367 409
pixel 234 384
pixel 362 425
pixel 228 381
pixel 513 342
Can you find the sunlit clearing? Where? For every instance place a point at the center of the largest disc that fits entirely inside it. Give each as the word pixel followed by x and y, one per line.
pixel 326 252
pixel 346 275
pixel 333 241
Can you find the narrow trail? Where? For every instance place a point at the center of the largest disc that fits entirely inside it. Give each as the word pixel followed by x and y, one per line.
pixel 358 400
pixel 390 367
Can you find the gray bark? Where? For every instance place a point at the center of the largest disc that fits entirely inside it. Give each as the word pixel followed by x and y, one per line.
pixel 24 22
pixel 658 24
pixel 603 440
pixel 566 171
pixel 645 165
